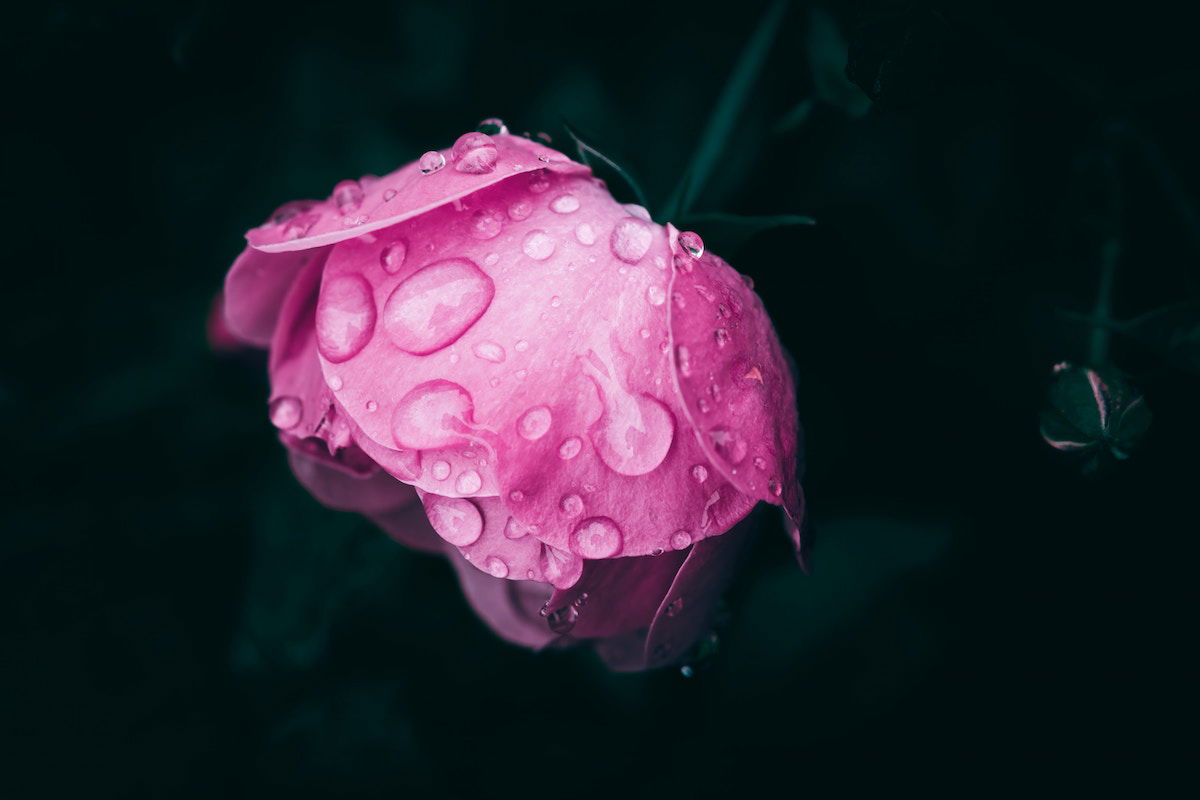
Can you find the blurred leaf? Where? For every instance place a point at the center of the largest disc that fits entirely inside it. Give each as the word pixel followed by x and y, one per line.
pixel 587 153
pixel 726 233
pixel 725 115
pixel 1172 332
pixel 827 58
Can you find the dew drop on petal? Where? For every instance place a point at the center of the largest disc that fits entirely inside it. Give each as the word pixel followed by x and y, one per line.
pixel 555 301
pixel 285 412
pixel 348 196
pixel 633 434
pixel 516 495
pixel 486 224
pixel 729 444
pixel 335 382
pixel 434 414
pixel 456 519
pixel 468 482
pixel 431 162
pixel 388 194
pixel 436 305
pixel 474 153
pixel 492 126
pixel 680 539
pixel 692 243
pixel 440 470
pixel 488 350
pixel 519 210
pixel 596 537
pixel 495 566
pixel 683 359
pixel 514 529
pixel 345 317
pixel 534 423
pixel 372 405
pixel 656 295
pixel 585 234
pixel 571 505
pixel 570 448
pixel 674 607
pixel 538 245
pixel 774 487
pixel 760 462
pixel 392 257
pixel 564 204
pixel 721 337
pixel 631 239
pixel 562 620
pixel 538 181
pixel 700 473
pixel 521 346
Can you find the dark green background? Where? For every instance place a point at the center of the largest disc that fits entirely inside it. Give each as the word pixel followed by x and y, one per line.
pixel 179 618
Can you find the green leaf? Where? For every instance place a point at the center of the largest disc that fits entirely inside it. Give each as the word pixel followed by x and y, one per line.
pixel 726 233
pixel 587 153
pixel 725 115
pixel 1172 332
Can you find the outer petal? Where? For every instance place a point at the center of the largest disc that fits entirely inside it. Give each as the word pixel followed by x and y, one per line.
pixel 617 595
pixel 490 539
pixel 510 608
pixel 521 345
pixel 255 287
pixel 375 494
pixel 734 379
pixel 380 203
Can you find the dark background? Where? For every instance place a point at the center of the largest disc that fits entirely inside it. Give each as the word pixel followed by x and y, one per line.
pixel 179 618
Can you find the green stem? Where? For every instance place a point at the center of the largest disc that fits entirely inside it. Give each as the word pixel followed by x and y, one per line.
pixel 1110 254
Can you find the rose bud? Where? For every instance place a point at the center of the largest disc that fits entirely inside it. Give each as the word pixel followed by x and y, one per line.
pixel 586 402
pixel 1094 411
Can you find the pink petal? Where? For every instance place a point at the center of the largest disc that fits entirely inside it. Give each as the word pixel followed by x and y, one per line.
pixel 618 595
pixel 491 540
pixel 403 194
pixel 734 379
pixel 409 527
pixel 521 345
pixel 375 494
pixel 254 290
pixel 510 608
pixel 220 338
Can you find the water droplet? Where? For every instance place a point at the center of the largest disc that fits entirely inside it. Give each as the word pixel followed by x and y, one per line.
pixel 638 211
pixel 683 359
pixel 675 606
pixel 722 310
pixel 519 210
pixel 455 519
pixel 468 482
pixel 496 567
pixel 440 470
pixel 631 239
pixel 729 444
pixel 682 263
pixel 493 382
pixel 562 620
pixel 489 351
pixel 679 301
pixel 585 234
pixel 753 374
pixel 388 194
pixel 285 412
pixel 775 487
pixel 299 226
pixel 436 305
pixel 514 529
pixel 746 279
pixel 335 382
pixel 492 126
pixel 345 317
pixel 431 162
pixel 555 301
pixel 760 462
pixel 700 473
pixel 534 423
pixel 571 505
pixel 516 495
pixel 474 153
pixel 658 551
pixel 680 539
pixel 706 293
pixel 570 448
pixel 721 336
pixel 564 204
pixel 432 415
pixel 491 259
pixel 486 223
pixel 348 195
pixel 634 433
pixel 392 257
pixel 703 404
pixel 538 181
pixel 372 405
pixel 656 295
pixel 538 245
pixel 596 537
pixel 692 243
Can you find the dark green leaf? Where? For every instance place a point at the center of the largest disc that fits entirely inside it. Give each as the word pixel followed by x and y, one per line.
pixel 590 155
pixel 1172 332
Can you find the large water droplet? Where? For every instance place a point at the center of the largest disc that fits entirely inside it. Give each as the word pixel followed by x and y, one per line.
pixel 729 444
pixel 486 223
pixel 392 257
pixel 348 195
pixel 596 537
pixel 431 162
pixel 564 204
pixel 570 448
pixel 285 412
pixel 440 470
pixel 496 567
pixel 534 423
pixel 692 243
pixel 474 153
pixel 436 305
pixel 345 317
pixel 631 239
pixel 434 414
pixel 571 505
pixel 634 434
pixel 468 482
pixel 585 234
pixel 538 245
pixel 489 351
pixel 455 519
pixel 680 539
pixel 492 126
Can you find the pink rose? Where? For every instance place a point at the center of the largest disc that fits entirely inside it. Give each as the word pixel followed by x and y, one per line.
pixel 585 402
